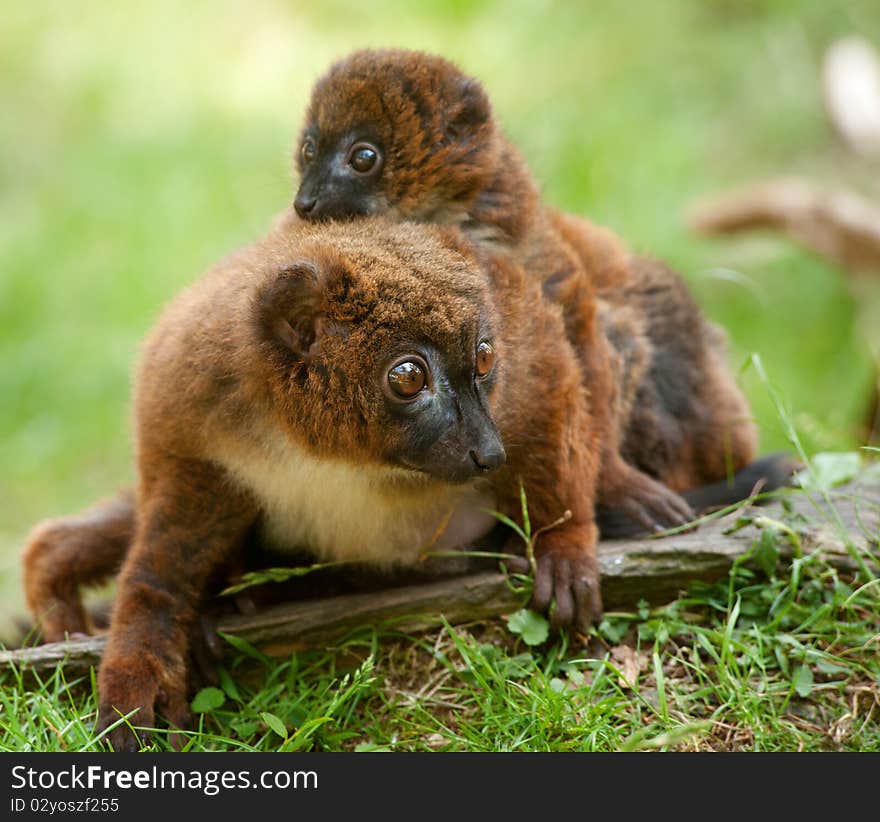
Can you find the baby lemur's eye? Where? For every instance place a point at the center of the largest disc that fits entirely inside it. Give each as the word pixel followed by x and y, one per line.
pixel 363 157
pixel 485 358
pixel 406 379
pixel 308 151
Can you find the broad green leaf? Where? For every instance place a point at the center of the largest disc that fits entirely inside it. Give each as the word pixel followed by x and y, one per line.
pixel 274 723
pixel 207 700
pixel 803 681
pixel 532 627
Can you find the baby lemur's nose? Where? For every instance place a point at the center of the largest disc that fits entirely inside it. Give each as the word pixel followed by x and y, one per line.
pixel 304 205
pixel 488 458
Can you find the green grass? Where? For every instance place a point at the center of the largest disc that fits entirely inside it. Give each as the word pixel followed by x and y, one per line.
pixel 784 655
pixel 141 142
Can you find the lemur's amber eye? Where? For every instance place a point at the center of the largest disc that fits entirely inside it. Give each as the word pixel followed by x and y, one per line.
pixel 407 378
pixel 485 358
pixel 363 157
pixel 308 152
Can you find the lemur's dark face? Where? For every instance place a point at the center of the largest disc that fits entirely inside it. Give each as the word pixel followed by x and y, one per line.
pixel 386 346
pixel 340 174
pixel 395 132
pixel 438 408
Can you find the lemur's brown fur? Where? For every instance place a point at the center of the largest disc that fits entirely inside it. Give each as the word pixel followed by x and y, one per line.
pixel 260 403
pixel 446 161
pixel 66 554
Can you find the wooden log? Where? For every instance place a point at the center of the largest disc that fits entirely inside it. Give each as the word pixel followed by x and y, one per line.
pixel 654 569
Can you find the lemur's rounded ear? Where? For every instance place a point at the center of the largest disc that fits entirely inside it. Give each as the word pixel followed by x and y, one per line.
pixel 288 308
pixel 470 108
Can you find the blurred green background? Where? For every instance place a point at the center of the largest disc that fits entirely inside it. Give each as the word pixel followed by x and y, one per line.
pixel 139 142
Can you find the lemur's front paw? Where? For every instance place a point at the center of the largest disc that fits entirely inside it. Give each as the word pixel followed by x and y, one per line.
pixel 571 585
pixel 567 577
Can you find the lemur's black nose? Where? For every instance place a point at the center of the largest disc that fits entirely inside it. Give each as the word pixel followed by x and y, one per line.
pixel 489 458
pixel 304 205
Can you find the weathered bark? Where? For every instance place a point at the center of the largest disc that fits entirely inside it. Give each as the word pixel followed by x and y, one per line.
pixel 651 569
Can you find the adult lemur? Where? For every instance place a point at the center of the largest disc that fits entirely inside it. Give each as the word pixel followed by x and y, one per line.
pixel 365 389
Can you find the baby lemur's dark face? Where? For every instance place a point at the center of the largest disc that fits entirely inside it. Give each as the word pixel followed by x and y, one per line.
pixel 395 132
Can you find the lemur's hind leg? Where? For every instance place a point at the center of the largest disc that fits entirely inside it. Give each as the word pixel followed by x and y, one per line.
pixel 64 555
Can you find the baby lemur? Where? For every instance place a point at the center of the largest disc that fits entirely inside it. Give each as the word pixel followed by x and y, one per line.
pixel 365 389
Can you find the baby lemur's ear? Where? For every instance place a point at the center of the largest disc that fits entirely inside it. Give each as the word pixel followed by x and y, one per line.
pixel 470 109
pixel 288 309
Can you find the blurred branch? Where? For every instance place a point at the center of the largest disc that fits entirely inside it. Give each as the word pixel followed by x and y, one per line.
pixel 839 225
